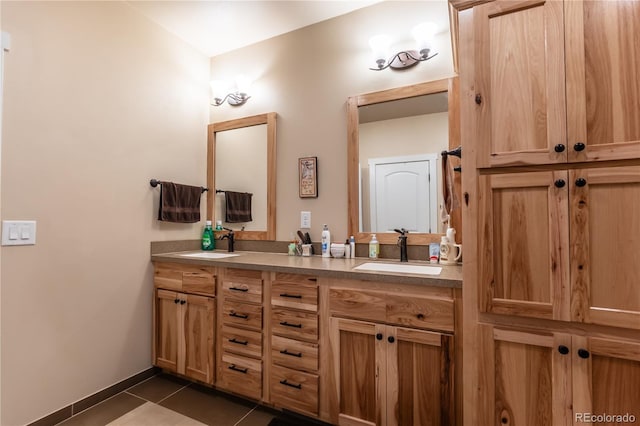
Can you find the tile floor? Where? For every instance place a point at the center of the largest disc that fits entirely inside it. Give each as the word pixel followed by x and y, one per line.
pixel 165 400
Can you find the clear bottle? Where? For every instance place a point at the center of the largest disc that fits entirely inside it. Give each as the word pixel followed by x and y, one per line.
pixel 326 241
pixel 352 243
pixel 374 247
pixel 208 240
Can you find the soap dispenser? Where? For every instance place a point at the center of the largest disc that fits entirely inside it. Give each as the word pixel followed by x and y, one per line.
pixel 374 248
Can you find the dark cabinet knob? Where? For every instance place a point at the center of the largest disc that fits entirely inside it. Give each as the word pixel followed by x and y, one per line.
pixel 379 336
pixel 583 353
pixel 559 183
pixel 563 349
pixel 391 339
pixel 559 147
pixel 182 302
pixel 579 146
pixel 580 182
pixel 176 301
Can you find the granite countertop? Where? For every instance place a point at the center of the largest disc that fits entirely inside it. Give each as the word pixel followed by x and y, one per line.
pixel 450 276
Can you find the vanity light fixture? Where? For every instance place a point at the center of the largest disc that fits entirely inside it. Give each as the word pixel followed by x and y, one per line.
pixel 234 97
pixel 423 34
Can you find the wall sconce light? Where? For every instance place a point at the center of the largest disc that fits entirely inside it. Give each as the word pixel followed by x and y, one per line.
pixel 236 96
pixel 422 33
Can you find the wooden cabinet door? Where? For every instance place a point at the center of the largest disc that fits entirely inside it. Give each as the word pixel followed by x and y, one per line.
pixel 359 364
pixel 524 256
pixel 199 323
pixel 605 244
pixel 606 378
pixel 524 378
pixel 419 378
pixel 603 90
pixel 519 77
pixel 168 330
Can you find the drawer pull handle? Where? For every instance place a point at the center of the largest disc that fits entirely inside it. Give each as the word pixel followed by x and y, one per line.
pixel 239 289
pixel 243 316
pixel 239 342
pixel 239 370
pixel 292 296
pixel 286 324
pixel 312 279
pixel 284 382
pixel 286 352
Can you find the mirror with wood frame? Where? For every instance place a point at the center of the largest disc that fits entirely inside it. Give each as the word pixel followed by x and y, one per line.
pixel 419 122
pixel 241 158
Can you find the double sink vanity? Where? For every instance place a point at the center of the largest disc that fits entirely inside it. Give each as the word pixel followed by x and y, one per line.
pixel 346 341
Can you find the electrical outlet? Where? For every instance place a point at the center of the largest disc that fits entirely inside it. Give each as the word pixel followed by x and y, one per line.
pixel 305 220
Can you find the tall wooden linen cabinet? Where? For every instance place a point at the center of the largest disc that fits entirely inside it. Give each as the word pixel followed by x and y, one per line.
pixel 550 100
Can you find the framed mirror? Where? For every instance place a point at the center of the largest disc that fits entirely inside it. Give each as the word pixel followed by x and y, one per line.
pixel 395 141
pixel 241 158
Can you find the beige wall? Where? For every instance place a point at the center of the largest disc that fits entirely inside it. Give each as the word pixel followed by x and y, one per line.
pixel 98 100
pixel 306 76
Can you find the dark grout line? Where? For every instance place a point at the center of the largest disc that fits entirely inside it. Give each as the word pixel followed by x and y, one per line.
pixel 246 415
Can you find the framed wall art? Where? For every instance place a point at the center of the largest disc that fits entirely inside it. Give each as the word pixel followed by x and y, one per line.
pixel 308 177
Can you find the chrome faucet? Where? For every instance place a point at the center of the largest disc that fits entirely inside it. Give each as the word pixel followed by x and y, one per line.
pixel 402 242
pixel 231 237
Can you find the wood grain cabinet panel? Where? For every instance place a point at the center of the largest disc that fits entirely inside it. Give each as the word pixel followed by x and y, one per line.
pixel 241 375
pixel 562 245
pixel 525 244
pixel 184 334
pixel 605 245
pixel 294 324
pixel 239 314
pixel 295 389
pixel 295 291
pixel 390 375
pixel 556 379
pixel 519 69
pixel 602 67
pixel 294 354
pixel 186 278
pixel 241 341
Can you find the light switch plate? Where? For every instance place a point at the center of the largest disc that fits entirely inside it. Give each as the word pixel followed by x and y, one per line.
pixel 18 232
pixel 305 220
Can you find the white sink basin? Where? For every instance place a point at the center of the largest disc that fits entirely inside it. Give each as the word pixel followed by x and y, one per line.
pixel 400 268
pixel 209 255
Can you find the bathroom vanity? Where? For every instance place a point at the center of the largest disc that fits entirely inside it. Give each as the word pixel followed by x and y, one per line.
pixel 314 335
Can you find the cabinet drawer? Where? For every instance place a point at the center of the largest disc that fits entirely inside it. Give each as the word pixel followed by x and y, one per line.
pixel 351 303
pixel 294 354
pixel 242 314
pixel 431 313
pixel 187 278
pixel 243 342
pixel 242 289
pixel 302 294
pixel 294 390
pixel 241 375
pixel 295 324
pixel 410 311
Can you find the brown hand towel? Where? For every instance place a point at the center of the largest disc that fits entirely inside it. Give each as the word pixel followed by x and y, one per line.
pixel 179 203
pixel 238 207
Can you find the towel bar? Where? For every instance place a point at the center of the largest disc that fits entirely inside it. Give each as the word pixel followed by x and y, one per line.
pixel 156 182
